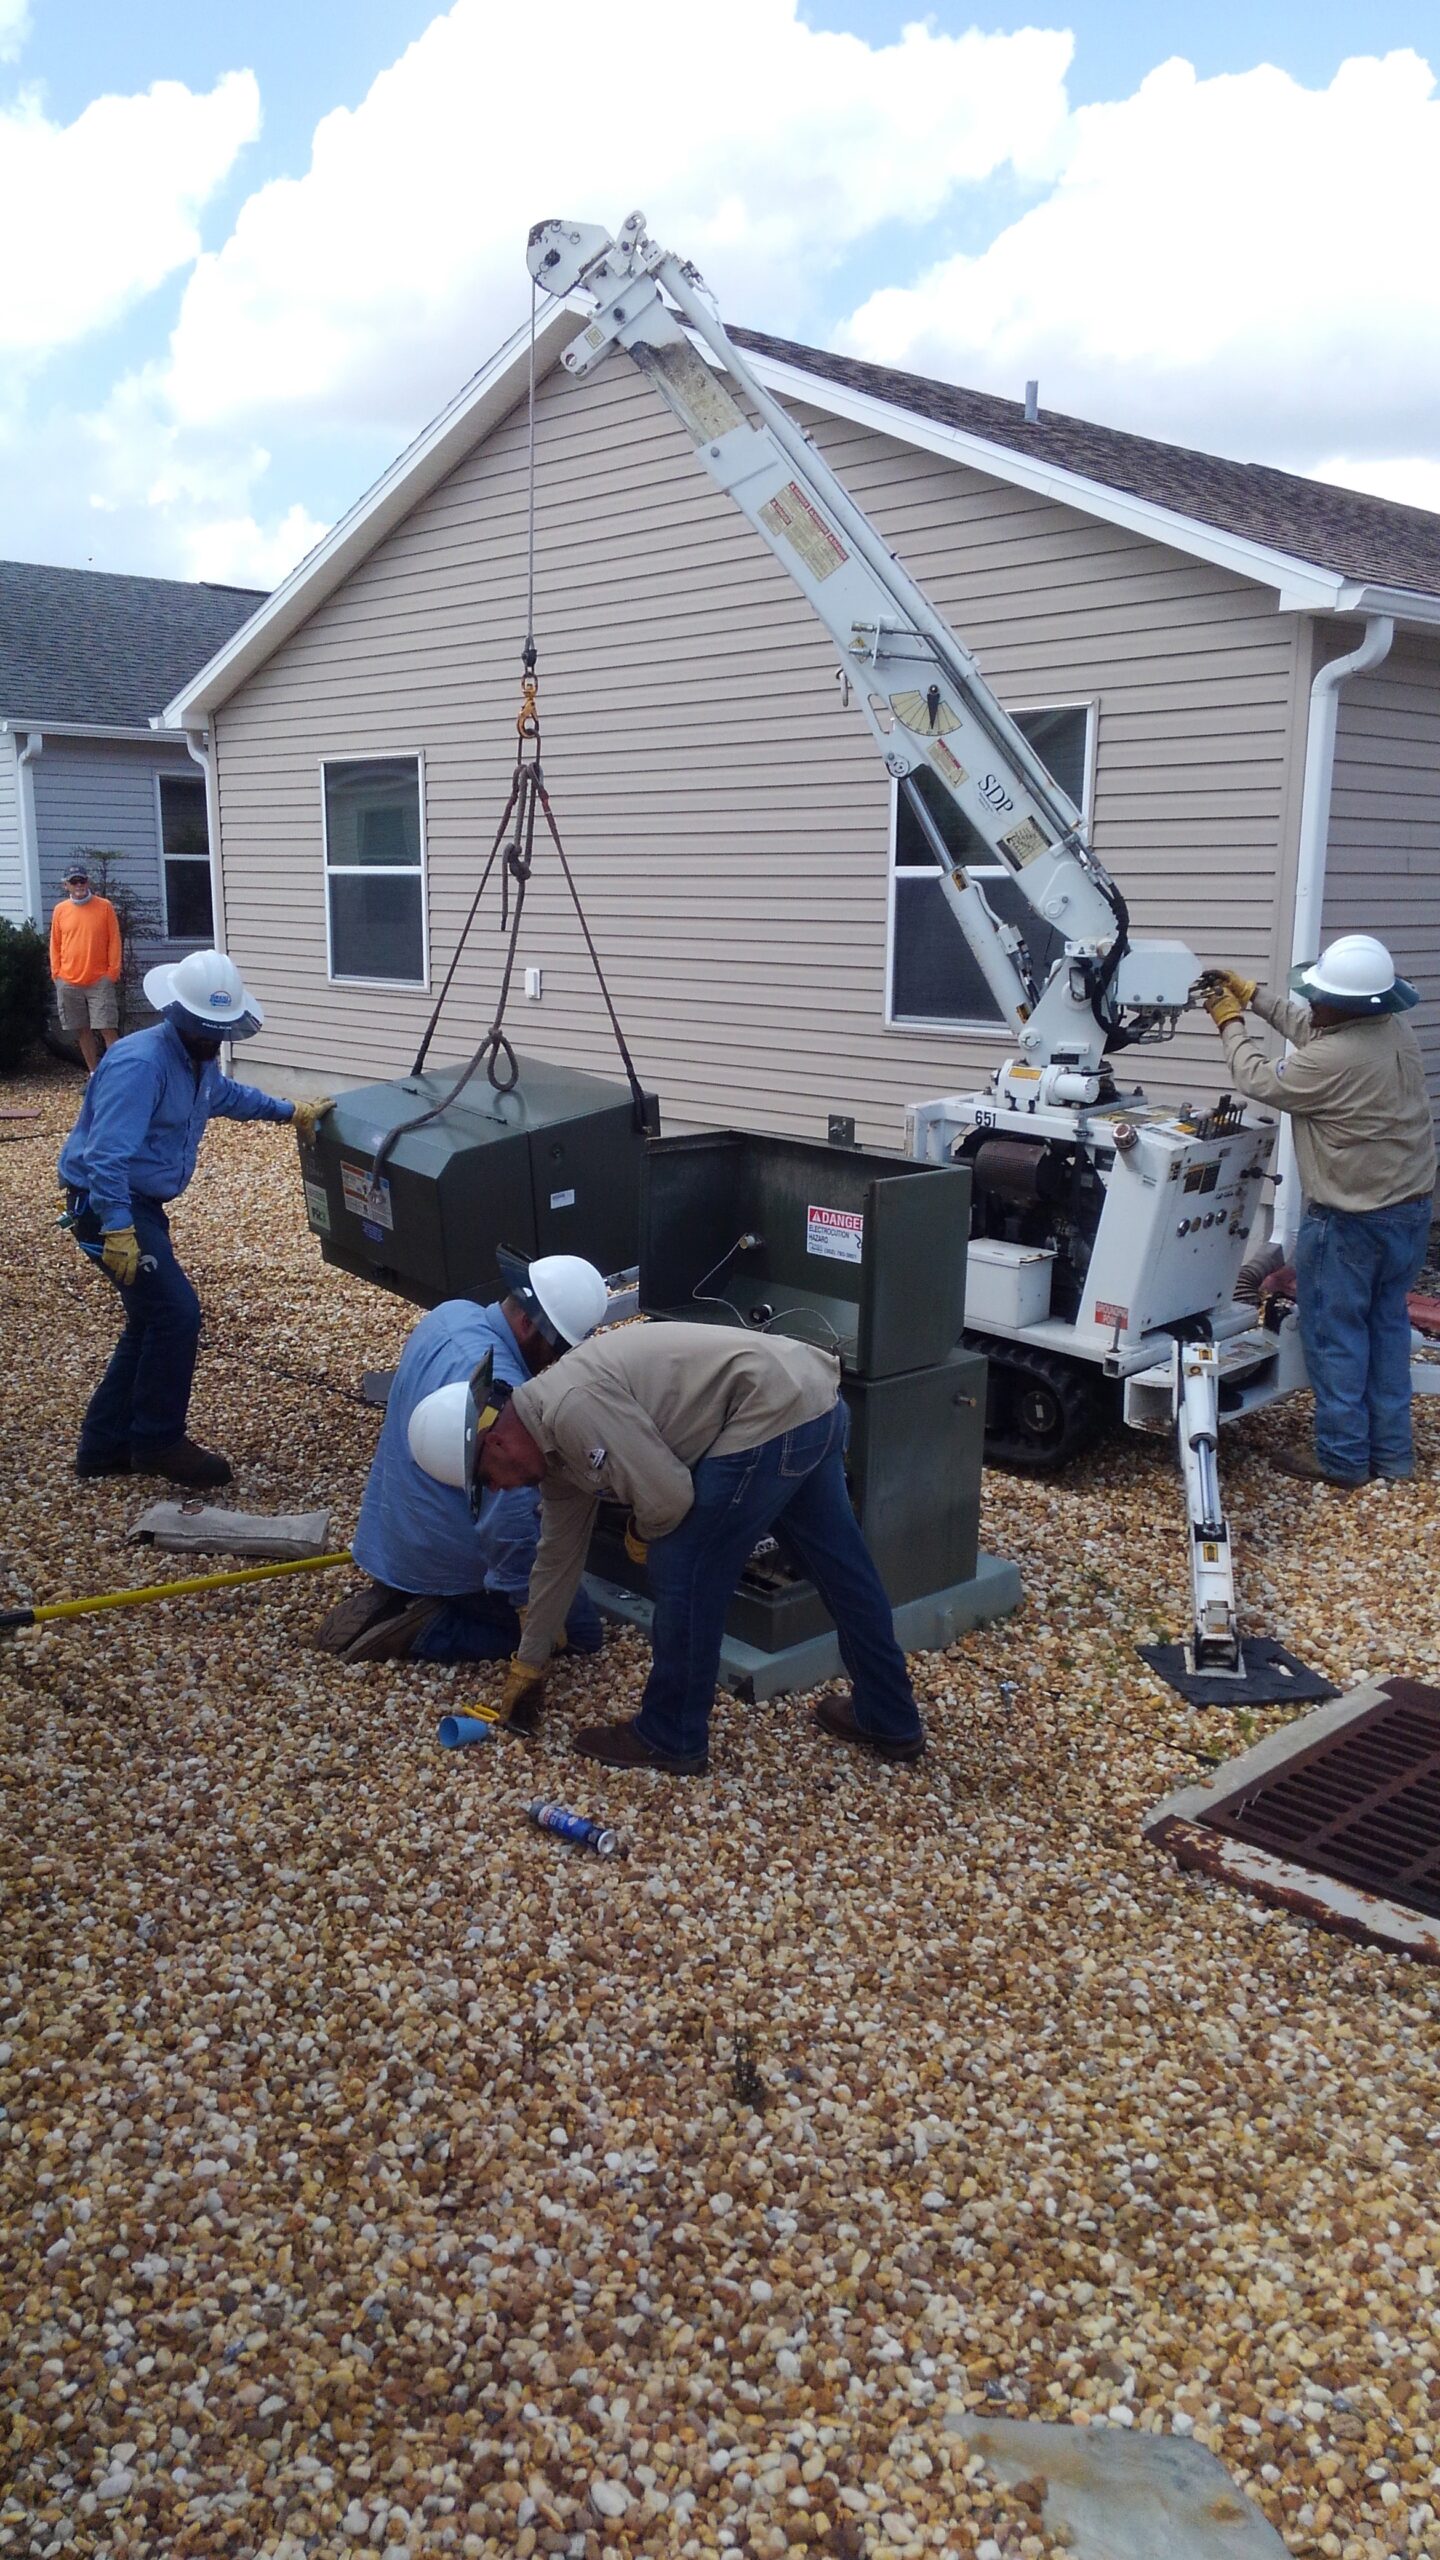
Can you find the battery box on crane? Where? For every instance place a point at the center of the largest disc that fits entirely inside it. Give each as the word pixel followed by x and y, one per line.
pixel 847 1249
pixel 552 1167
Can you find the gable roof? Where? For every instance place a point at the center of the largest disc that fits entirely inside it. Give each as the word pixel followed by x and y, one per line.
pixel 87 647
pixel 1371 539
pixel 1279 533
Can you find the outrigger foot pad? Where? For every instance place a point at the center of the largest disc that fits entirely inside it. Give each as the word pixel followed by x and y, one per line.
pixel 1272 1677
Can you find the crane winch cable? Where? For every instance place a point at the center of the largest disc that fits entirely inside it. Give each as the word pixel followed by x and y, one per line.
pixel 527 796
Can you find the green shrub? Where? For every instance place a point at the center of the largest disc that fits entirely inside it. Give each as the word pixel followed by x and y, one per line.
pixel 24 993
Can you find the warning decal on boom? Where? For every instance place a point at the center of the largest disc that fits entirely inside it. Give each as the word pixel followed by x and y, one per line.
pixel 789 516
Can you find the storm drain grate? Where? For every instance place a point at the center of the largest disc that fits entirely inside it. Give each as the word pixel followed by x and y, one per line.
pixel 1361 1804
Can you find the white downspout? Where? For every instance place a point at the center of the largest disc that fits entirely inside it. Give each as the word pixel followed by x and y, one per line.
pixel 1310 862
pixel 199 746
pixel 29 830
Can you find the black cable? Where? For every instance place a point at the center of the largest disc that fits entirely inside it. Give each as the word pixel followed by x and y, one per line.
pixel 642 1116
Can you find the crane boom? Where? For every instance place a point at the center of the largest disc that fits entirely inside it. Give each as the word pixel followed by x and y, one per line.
pixel 926 702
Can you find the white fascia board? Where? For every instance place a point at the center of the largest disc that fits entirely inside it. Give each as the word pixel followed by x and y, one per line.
pixel 1300 586
pixel 482 403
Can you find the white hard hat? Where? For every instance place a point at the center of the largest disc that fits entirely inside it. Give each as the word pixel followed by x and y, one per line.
pixel 1355 975
pixel 207 984
pixel 564 1296
pixel 447 1426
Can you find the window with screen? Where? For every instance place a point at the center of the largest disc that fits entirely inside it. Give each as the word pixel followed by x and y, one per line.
pixel 185 858
pixel 375 868
pixel 933 977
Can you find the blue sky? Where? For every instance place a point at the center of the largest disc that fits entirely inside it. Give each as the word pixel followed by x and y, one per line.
pixel 262 246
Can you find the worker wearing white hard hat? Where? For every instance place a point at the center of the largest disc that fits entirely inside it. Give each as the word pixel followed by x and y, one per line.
pixel 448 1564
pixel 131 1151
pixel 1354 1086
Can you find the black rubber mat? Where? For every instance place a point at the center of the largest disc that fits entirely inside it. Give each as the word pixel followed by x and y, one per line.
pixel 1273 1677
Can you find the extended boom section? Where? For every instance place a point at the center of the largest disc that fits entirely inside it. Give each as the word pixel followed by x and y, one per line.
pixel 921 692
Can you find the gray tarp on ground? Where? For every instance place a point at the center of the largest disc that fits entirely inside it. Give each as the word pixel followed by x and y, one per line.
pixel 1116 2493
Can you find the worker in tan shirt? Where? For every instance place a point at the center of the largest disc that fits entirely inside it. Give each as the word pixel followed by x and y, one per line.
pixel 85 963
pixel 1354 1085
pixel 715 1439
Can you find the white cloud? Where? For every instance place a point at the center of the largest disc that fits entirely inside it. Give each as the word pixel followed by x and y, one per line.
pixel 1239 263
pixel 14 27
pixel 107 207
pixel 370 287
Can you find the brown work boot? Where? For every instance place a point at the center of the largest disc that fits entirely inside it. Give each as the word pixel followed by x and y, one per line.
pixel 389 1637
pixel 619 1746
pixel 184 1462
pixel 835 1715
pixel 1295 1461
pixel 354 1616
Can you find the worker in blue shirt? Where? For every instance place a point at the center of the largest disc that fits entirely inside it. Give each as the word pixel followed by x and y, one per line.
pixel 132 1149
pixel 448 1580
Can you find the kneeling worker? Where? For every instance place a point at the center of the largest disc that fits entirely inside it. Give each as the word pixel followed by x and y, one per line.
pixel 715 1439
pixel 132 1149
pixel 1354 1086
pixel 448 1581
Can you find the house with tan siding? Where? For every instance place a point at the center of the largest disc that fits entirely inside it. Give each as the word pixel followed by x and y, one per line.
pixel 1159 619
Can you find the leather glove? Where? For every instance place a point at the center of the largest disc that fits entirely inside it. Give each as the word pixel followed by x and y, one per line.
pixel 120 1254
pixel 1222 1006
pixel 522 1700
pixel 636 1547
pixel 308 1116
pixel 1242 989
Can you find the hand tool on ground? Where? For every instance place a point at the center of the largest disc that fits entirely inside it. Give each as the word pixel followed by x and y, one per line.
pixel 45 1612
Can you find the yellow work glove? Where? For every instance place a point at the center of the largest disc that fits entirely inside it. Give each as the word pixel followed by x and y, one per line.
pixel 1222 1006
pixel 1242 989
pixel 522 1700
pixel 120 1254
pixel 635 1546
pixel 308 1116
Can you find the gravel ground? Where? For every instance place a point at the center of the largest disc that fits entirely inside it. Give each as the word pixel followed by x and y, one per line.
pixel 379 2172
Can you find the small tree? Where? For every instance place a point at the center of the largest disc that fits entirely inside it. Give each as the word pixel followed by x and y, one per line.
pixel 137 919
pixel 24 993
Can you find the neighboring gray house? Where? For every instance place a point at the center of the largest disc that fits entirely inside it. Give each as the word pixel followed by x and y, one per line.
pixel 87 662
pixel 775 940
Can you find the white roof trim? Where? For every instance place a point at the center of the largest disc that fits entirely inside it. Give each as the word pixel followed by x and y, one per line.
pixel 145 736
pixel 480 405
pixel 1300 585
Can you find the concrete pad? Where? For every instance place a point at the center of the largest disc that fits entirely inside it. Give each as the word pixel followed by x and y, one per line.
pixel 921 1626
pixel 1114 2493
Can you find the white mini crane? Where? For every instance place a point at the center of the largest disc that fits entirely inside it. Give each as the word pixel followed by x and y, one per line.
pixel 1108 1232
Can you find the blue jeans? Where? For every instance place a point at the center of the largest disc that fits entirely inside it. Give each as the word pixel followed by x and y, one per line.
pixel 794 1488
pixel 482 1626
pixel 141 1402
pixel 1355 1269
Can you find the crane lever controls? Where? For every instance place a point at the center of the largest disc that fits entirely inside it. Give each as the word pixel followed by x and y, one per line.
pixel 1088 1283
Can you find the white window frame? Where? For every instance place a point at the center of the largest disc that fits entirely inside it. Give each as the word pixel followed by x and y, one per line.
pixel 377 870
pixel 961 1026
pixel 196 941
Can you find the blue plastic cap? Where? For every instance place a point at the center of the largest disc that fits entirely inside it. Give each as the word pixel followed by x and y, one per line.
pixel 457 1731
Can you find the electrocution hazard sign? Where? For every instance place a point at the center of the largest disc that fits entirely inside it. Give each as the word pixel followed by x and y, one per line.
pixel 837 1235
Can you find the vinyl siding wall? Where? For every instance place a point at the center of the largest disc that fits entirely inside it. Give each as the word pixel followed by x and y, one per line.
pixel 13 905
pixel 728 821
pixel 98 795
pixel 1383 866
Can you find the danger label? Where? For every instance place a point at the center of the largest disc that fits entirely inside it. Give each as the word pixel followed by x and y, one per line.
pixel 837 1235
pixel 366 1199
pixel 1105 1313
pixel 789 517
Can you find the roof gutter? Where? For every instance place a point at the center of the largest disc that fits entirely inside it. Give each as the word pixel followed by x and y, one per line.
pixel 1315 801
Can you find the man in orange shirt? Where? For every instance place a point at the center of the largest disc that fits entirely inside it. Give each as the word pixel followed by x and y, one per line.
pixel 85 962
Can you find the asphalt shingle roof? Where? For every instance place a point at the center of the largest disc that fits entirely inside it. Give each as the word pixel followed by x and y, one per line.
pixel 1371 539
pixel 87 646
